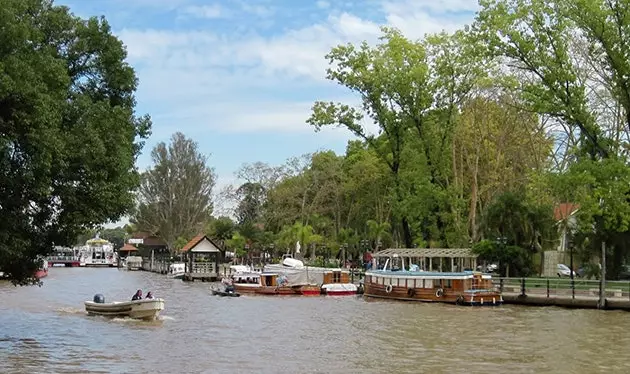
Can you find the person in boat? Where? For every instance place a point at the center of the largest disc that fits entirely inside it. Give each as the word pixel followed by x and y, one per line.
pixel 137 296
pixel 149 295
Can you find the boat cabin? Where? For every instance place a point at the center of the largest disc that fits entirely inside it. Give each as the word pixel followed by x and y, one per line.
pixel 336 276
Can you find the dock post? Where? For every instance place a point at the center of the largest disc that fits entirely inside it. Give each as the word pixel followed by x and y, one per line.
pixel 602 282
pixel 547 288
pixel 522 286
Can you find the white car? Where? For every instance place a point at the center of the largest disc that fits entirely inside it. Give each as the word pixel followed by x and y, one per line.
pixel 564 271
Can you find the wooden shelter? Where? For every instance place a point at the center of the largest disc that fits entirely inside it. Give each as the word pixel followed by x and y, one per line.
pixel 432 259
pixel 127 250
pixel 201 256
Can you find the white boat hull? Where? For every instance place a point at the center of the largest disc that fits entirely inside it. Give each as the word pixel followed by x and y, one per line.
pixel 146 309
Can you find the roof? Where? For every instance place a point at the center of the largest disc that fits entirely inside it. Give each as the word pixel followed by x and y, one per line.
pixel 196 240
pixel 426 252
pixel 564 210
pixel 128 248
pixel 148 239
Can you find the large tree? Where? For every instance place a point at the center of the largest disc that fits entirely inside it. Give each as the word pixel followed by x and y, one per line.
pixel 175 195
pixel 69 136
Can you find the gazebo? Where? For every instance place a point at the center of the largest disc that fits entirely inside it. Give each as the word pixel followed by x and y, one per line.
pixel 127 250
pixel 202 256
pixel 433 259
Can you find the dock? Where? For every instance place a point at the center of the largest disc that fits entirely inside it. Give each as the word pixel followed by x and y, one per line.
pixel 580 294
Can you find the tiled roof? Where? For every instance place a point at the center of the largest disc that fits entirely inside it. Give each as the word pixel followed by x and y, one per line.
pixel 564 210
pixel 128 248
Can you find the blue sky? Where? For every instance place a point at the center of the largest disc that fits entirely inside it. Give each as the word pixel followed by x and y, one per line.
pixel 240 76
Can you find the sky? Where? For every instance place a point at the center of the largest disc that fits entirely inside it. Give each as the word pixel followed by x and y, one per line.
pixel 240 77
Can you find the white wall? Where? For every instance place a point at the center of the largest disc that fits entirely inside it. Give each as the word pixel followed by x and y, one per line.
pixel 205 246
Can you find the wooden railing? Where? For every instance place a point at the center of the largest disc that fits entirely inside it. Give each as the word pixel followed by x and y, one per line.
pixel 561 287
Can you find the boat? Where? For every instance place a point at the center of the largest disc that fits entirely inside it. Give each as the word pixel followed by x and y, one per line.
pixel 65 256
pixel 227 291
pixel 133 262
pixel 176 270
pixel 333 281
pixel 98 252
pixel 266 283
pixel 145 309
pixel 42 271
pixel 394 281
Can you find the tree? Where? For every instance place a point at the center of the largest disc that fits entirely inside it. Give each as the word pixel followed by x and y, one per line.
pixel 175 195
pixel 69 136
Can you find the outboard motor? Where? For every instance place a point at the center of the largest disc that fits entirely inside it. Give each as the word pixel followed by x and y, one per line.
pixel 99 298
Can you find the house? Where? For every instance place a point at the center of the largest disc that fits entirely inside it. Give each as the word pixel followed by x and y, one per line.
pixel 201 256
pixel 565 216
pixel 566 220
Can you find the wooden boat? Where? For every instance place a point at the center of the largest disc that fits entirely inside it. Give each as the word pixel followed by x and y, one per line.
pixel 333 281
pixel 464 288
pixel 145 309
pixel 266 283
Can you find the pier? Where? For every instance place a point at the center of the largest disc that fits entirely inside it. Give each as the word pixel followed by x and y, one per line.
pixel 562 292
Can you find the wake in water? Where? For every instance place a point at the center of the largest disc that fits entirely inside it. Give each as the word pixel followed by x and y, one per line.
pixel 71 311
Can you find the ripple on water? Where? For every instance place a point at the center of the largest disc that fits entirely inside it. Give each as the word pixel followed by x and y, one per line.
pixel 46 330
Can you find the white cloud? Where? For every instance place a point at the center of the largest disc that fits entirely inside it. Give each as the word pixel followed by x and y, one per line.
pixel 323 4
pixel 205 11
pixel 191 73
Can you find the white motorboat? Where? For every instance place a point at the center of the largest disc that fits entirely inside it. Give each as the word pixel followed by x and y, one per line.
pixel 146 309
pixel 176 270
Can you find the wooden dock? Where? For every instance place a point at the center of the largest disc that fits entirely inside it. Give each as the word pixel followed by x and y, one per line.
pixel 582 294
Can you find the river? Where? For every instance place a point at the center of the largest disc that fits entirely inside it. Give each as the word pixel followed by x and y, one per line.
pixel 45 330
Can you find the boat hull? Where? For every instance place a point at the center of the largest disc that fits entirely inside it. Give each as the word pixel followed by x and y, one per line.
pixel 146 309
pixel 225 293
pixel 280 291
pixel 339 289
pixel 431 295
pixel 41 273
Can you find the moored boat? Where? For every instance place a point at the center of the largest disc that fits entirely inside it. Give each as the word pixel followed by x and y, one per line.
pixel 42 271
pixel 176 270
pixel 464 288
pixel 266 283
pixel 333 281
pixel 145 309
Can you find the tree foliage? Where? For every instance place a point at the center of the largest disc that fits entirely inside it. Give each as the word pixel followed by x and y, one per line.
pixel 69 135
pixel 175 194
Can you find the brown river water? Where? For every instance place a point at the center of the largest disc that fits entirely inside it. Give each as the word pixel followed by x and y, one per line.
pixel 45 330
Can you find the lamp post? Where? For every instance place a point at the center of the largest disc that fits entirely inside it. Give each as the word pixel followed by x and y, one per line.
pixel 570 245
pixel 344 247
pixel 502 240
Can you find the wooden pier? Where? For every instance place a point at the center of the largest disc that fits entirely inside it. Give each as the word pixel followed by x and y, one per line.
pixel 582 294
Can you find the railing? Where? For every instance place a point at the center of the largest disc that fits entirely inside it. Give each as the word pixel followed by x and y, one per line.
pixel 561 287
pixel 63 258
pixel 201 268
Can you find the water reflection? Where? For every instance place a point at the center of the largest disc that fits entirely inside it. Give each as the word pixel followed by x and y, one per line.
pixel 46 330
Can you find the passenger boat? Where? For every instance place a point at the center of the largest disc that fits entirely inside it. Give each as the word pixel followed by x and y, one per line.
pixel 333 281
pixel 98 252
pixel 176 270
pixel 64 256
pixel 464 288
pixel 266 283
pixel 145 309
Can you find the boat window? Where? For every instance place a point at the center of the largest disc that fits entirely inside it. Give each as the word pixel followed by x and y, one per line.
pixel 336 277
pixel 448 283
pixel 428 283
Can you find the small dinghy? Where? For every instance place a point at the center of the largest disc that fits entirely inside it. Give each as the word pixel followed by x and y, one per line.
pixel 145 309
pixel 228 291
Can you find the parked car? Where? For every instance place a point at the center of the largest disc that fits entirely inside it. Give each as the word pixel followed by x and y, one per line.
pixel 564 271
